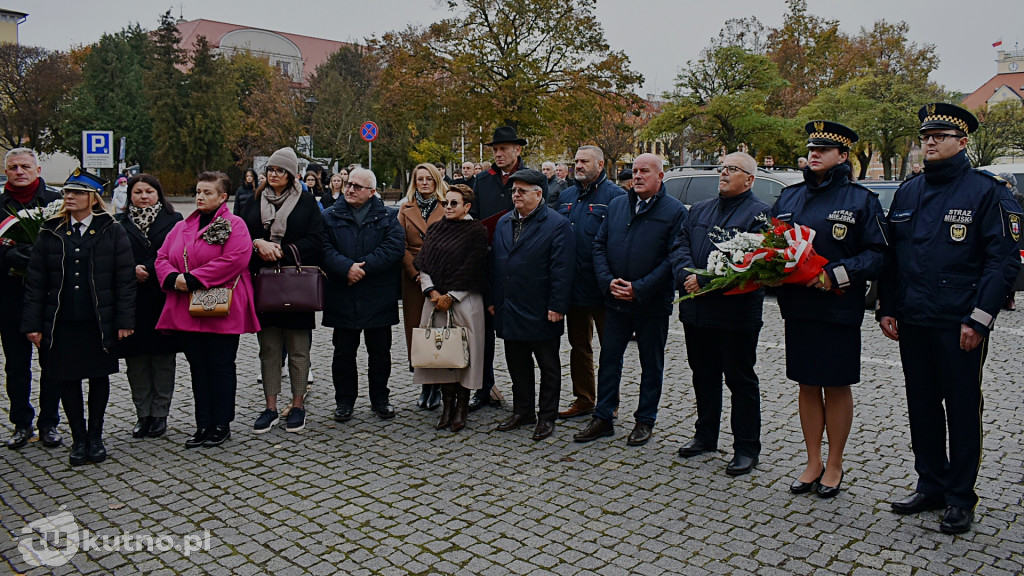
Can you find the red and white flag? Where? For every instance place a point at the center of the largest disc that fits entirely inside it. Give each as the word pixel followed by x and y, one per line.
pixel 997 43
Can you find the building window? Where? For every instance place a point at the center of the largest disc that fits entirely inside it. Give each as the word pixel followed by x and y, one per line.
pixel 284 67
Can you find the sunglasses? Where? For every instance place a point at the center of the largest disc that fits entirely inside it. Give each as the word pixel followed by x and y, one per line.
pixel 356 187
pixel 451 203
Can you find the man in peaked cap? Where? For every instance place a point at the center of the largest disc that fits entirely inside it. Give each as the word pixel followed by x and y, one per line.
pixel 952 257
pixel 493 190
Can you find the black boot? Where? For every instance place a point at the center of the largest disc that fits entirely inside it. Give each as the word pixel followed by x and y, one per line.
pixel 79 445
pixel 434 397
pixel 448 406
pixel 424 395
pixel 97 453
pixel 461 408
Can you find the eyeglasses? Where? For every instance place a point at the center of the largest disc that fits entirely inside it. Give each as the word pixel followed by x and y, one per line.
pixel 522 191
pixel 939 138
pixel 273 170
pixel 356 187
pixel 73 192
pixel 730 169
pixel 447 203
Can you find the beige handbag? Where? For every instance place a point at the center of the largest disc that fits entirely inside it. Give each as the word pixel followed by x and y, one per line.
pixel 444 347
pixel 210 302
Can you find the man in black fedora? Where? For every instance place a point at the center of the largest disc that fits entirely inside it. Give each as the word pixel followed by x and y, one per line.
pixel 493 190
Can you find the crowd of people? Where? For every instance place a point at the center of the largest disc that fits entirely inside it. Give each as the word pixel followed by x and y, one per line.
pixel 526 256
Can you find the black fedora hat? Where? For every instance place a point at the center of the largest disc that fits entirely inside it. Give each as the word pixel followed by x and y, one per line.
pixel 506 134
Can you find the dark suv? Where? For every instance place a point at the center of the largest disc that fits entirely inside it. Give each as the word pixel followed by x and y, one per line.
pixel 691 184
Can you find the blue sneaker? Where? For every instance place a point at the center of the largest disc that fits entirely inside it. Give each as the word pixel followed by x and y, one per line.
pixel 296 420
pixel 266 421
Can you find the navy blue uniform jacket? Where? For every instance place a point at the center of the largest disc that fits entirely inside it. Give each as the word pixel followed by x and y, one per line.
pixel 635 247
pixel 952 248
pixel 531 276
pixel 849 226
pixel 380 242
pixel 741 213
pixel 586 210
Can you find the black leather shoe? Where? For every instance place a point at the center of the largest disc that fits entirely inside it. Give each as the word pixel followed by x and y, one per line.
pixel 798 487
pixel 79 452
pixel 343 413
pixel 158 427
pixel 50 437
pixel 218 435
pixel 831 491
pixel 385 410
pixel 196 440
pixel 97 452
pixel 596 429
pixel 515 421
pixel 918 502
pixel 141 429
pixel 957 520
pixel 695 447
pixel 20 437
pixel 479 400
pixel 421 402
pixel 741 464
pixel 640 435
pixel 544 429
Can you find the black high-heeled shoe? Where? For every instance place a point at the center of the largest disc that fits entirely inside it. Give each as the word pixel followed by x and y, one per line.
pixel 830 491
pixel 798 487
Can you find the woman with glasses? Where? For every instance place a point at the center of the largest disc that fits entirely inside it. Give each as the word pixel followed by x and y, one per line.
pixel 452 268
pixel 421 209
pixel 283 220
pixel 335 190
pixel 79 302
pixel 823 318
pixel 209 249
pixel 312 180
pixel 149 355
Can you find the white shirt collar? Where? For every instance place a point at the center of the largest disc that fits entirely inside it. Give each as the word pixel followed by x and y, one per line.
pixel 86 222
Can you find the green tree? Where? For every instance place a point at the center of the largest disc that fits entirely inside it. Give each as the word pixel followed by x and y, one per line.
pixel 341 97
pixel 1001 131
pixel 34 88
pixel 167 91
pixel 723 98
pixel 212 115
pixel 110 96
pixel 269 108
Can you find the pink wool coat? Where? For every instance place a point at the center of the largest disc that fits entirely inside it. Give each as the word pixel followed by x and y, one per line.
pixel 213 265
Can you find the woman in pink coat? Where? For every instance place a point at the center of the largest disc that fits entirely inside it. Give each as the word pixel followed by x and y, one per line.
pixel 210 248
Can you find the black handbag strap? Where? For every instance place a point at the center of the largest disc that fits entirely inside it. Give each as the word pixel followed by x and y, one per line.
pixel 295 254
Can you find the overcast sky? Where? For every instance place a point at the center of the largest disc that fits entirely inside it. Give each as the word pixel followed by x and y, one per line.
pixel 659 36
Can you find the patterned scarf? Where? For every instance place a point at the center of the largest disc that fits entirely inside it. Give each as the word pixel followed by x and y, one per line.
pixel 426 205
pixel 144 217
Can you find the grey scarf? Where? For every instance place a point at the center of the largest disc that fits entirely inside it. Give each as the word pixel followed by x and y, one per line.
pixel 275 209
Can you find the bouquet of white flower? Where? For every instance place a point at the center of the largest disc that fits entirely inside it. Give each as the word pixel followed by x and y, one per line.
pixel 22 226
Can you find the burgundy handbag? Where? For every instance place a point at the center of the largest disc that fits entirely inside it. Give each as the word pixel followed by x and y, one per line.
pixel 295 288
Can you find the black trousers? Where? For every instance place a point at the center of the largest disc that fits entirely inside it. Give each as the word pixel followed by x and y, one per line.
pixel 74 408
pixel 343 369
pixel 519 355
pixel 489 343
pixel 211 359
pixel 711 354
pixel 944 392
pixel 18 372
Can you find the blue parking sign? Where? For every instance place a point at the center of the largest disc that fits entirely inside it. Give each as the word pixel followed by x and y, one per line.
pixel 97 149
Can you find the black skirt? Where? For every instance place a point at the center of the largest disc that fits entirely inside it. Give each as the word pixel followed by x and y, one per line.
pixel 77 353
pixel 822 354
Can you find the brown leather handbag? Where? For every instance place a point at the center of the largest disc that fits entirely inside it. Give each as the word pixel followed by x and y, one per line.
pixel 295 288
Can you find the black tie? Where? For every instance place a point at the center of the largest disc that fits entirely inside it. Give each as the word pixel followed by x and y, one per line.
pixel 640 206
pixel 78 228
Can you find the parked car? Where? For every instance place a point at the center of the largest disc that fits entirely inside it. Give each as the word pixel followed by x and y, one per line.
pixel 1016 169
pixel 691 184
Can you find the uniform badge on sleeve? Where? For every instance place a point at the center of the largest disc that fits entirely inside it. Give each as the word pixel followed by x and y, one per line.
pixel 1014 227
pixel 839 231
pixel 958 232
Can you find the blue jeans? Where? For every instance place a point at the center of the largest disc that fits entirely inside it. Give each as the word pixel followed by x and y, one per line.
pixel 651 334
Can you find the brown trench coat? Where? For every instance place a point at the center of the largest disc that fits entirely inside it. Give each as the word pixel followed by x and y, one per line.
pixel 415 230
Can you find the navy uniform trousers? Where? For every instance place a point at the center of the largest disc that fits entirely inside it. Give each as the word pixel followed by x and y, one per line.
pixel 938 372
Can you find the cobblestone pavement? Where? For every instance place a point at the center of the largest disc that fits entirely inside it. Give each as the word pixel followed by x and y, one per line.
pixel 396 497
